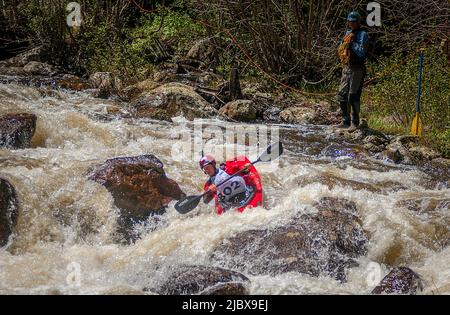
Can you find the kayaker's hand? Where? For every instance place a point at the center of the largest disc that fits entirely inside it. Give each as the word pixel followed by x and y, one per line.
pixel 208 197
pixel 247 167
pixel 212 188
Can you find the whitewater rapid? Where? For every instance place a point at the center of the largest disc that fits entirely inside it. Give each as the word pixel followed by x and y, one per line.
pixel 66 221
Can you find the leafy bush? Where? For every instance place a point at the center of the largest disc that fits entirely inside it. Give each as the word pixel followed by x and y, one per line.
pixel 392 101
pixel 114 36
pixel 134 52
pixel 176 28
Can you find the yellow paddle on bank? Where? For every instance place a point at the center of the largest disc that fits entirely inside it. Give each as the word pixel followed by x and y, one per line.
pixel 416 126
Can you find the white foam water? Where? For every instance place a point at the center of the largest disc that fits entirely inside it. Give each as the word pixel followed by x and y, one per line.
pixel 64 245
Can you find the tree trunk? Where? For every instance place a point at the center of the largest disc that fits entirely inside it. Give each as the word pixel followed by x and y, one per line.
pixel 235 85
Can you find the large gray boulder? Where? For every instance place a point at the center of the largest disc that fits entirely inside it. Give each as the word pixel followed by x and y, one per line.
pixel 205 281
pixel 298 115
pixel 139 186
pixel 24 58
pixel 240 110
pixel 17 130
pixel 202 50
pixel 400 280
pixel 308 113
pixel 406 149
pixel 105 83
pixel 40 68
pixel 171 100
pixel 8 211
pixel 324 243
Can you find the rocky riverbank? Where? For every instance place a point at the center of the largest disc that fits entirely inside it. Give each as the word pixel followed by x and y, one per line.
pixel 327 242
pixel 186 89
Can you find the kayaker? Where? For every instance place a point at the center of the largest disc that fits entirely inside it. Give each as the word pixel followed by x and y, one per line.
pixel 239 192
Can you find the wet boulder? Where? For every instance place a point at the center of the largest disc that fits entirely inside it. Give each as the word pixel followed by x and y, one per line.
pixel 24 58
pixel 441 163
pixel 400 280
pixel 105 83
pixel 239 110
pixel 72 82
pixel 406 149
pixel 337 204
pixel 308 113
pixel 299 115
pixel 331 180
pixel 373 140
pixel 423 153
pixel 272 113
pixel 8 211
pixel 131 92
pixel 205 281
pixel 138 184
pixel 322 243
pixel 17 130
pixel 12 71
pixel 439 171
pixel 375 143
pixel 171 100
pixel 341 151
pixel 40 68
pixel 202 51
pixel 140 188
pixel 392 155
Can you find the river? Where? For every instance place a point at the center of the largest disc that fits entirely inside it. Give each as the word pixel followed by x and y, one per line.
pixel 66 221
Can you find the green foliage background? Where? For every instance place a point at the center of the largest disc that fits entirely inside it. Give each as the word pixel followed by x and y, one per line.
pixel 391 102
pixel 116 37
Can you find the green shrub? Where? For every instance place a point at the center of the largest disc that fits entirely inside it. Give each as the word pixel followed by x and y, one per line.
pixel 123 43
pixel 393 99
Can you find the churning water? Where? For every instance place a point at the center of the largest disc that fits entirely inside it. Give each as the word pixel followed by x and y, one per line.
pixel 66 222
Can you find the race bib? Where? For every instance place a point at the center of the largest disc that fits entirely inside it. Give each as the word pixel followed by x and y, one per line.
pixel 227 191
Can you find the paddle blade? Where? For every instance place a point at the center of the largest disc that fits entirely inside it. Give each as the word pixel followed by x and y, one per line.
pixel 272 152
pixel 416 126
pixel 187 204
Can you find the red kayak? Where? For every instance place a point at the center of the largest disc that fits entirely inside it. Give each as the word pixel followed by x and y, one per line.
pixel 251 178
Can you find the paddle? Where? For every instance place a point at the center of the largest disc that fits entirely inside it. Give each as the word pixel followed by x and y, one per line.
pixel 416 126
pixel 189 203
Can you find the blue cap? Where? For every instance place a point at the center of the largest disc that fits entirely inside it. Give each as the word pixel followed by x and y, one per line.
pixel 354 17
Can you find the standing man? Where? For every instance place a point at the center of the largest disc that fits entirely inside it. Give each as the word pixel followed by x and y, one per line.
pixel 352 53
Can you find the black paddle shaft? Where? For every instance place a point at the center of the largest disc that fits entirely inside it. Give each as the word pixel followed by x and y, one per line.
pixel 190 202
pixel 187 204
